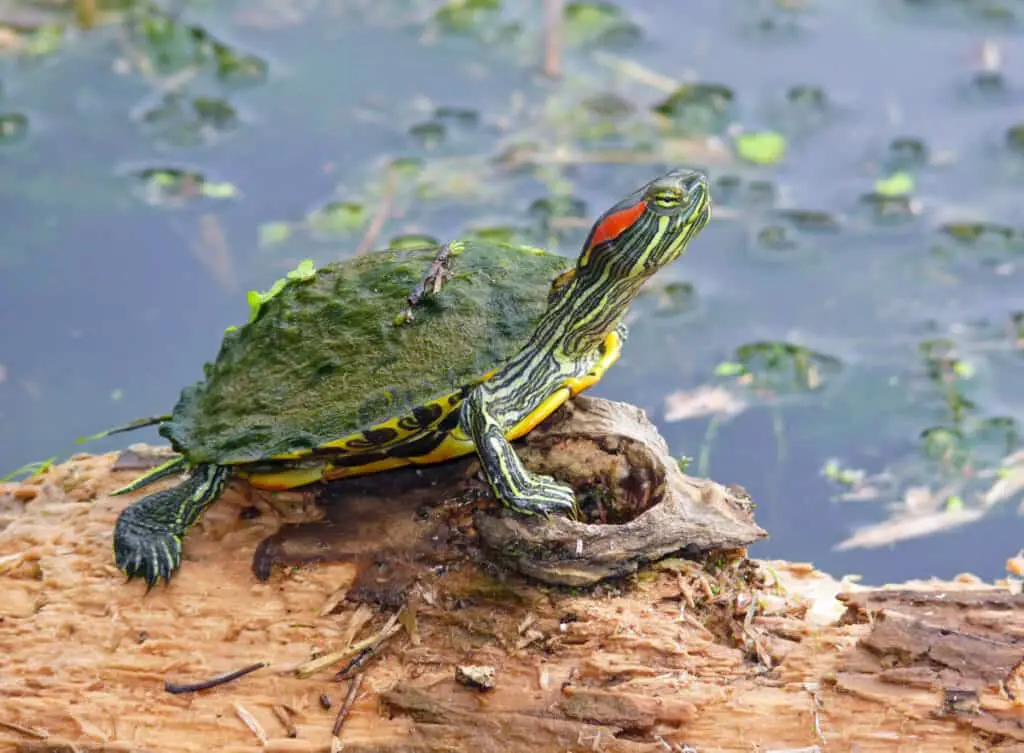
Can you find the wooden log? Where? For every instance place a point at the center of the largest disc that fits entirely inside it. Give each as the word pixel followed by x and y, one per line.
pixel 717 653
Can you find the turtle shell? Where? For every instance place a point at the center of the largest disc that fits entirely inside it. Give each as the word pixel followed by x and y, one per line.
pixel 331 355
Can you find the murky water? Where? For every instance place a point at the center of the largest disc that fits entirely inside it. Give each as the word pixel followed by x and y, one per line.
pixel 832 311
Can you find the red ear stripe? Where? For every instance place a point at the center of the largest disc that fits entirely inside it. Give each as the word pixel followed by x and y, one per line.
pixel 612 226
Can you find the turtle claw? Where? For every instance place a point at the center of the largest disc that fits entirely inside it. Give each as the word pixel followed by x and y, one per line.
pixel 544 496
pixel 141 551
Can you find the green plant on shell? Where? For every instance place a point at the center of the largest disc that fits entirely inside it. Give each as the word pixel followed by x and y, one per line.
pixel 304 271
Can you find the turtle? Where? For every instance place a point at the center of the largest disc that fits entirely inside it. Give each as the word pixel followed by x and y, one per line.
pixel 407 356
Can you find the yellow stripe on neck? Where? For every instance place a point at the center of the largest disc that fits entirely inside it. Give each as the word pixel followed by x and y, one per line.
pixel 612 346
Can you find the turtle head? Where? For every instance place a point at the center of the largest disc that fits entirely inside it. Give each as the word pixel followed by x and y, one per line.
pixel 628 243
pixel 647 230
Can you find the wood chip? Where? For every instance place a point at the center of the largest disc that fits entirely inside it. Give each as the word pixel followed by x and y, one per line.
pixel 250 721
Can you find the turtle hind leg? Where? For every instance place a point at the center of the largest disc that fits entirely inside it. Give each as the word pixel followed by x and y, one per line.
pixel 513 485
pixel 138 423
pixel 148 534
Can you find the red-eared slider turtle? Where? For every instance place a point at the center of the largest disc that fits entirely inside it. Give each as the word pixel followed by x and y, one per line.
pixel 342 371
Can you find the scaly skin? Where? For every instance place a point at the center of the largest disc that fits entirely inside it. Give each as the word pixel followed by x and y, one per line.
pixel 627 245
pixel 148 535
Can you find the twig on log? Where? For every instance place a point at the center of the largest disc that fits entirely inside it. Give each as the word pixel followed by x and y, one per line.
pixel 310 668
pixel 172 687
pixel 346 707
pixel 370 646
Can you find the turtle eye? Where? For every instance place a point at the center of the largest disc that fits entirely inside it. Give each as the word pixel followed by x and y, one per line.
pixel 666 199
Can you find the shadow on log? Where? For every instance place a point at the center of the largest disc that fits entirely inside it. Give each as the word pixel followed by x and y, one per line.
pixel 636 507
pixel 398 612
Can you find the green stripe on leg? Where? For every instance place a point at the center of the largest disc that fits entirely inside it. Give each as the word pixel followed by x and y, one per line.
pixel 513 485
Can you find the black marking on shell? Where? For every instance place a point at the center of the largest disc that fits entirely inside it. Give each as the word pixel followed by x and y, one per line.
pixel 364 458
pixel 374 438
pixel 423 417
pixel 419 446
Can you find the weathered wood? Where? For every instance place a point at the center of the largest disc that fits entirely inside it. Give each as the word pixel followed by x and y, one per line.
pixel 614 446
pixel 722 654
pixel 951 653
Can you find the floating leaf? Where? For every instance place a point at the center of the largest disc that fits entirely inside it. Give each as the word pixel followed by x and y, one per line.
pixel 809 220
pixel 430 134
pixel 495 234
pixel 985 238
pixel 698 106
pixel 608 105
pixel 730 368
pixel 600 22
pixel 464 116
pixel 834 471
pixel 954 503
pixel 238 68
pixel 963 369
pixel 783 367
pixel 810 97
pixel 776 238
pixel 762 148
pixel 221 190
pixel 674 297
pixel 272 233
pixel 339 218
pixel 403 242
pixel 940 441
pixel 907 151
pixel 892 208
pixel 552 208
pixel 189 122
pixel 1015 137
pixel 44 40
pixel 406 167
pixel 461 16
pixel 13 126
pixel 174 185
pixel 897 184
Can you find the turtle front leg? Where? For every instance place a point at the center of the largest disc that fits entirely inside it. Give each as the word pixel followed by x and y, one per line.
pixel 513 485
pixel 148 534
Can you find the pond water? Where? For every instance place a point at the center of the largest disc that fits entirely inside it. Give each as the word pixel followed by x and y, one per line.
pixel 845 340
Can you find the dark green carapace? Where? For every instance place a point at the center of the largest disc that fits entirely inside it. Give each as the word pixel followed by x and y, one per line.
pixel 329 356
